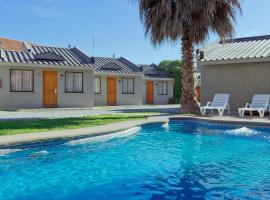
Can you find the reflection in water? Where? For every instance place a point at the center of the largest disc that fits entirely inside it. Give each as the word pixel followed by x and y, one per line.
pixel 189 160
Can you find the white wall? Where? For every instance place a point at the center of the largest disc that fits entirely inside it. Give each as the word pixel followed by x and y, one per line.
pixel 85 99
pixel 159 99
pixel 242 81
pixel 122 99
pixel 16 100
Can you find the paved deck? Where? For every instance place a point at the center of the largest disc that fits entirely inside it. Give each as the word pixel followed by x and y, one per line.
pixel 110 128
pixel 44 113
pixel 234 119
pixel 75 133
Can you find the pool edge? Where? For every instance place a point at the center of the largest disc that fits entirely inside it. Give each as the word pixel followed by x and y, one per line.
pixel 235 121
pixel 30 138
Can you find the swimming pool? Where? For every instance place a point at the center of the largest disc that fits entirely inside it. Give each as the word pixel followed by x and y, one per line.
pixel 180 160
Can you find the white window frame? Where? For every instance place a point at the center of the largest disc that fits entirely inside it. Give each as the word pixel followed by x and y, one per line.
pixel 161 89
pixel 130 89
pixel 22 79
pixel 73 82
pixel 99 82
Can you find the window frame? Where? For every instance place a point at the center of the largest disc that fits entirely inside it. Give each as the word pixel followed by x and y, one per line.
pixel 99 77
pixel 73 83
pixel 162 82
pixel 33 80
pixel 133 89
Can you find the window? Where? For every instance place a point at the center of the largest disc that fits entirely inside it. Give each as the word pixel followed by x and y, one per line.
pixel 162 88
pixel 21 80
pixel 74 82
pixel 128 86
pixel 97 85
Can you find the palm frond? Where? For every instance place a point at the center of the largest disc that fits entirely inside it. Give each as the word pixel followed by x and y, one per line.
pixel 168 19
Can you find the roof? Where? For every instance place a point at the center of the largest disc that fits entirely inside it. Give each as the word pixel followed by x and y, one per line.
pixel 153 71
pixel 238 48
pixel 37 54
pixel 9 44
pixel 115 66
pixel 57 56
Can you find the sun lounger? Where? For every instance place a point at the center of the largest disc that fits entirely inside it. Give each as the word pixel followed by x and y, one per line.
pixel 260 103
pixel 220 103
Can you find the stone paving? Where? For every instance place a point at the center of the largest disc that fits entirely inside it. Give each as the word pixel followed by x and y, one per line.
pixel 80 112
pixel 247 120
pixel 8 140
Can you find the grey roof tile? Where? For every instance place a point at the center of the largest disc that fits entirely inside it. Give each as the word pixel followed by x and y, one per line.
pixel 45 55
pixel 103 64
pixel 38 54
pixel 152 71
pixel 239 48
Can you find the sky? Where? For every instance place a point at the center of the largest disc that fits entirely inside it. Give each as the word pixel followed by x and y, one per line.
pixel 115 25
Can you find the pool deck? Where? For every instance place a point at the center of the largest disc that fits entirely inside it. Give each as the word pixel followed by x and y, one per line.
pixel 10 140
pixel 234 119
pixel 49 113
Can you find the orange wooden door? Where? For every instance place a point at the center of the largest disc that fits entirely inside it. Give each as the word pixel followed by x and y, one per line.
pixel 149 92
pixel 111 91
pixel 49 88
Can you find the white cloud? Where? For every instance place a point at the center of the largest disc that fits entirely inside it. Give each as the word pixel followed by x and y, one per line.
pixel 7 7
pixel 49 1
pixel 41 11
pixel 44 8
pixel 251 32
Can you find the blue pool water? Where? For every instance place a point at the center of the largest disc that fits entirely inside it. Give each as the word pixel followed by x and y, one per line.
pixel 184 160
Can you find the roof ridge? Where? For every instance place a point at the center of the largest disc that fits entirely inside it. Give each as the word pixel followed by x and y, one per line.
pixel 106 57
pixel 132 65
pixel 246 39
pixel 39 45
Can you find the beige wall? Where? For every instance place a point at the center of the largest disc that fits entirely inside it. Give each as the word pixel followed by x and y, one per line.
pixel 15 100
pixel 241 81
pixel 159 99
pixel 122 99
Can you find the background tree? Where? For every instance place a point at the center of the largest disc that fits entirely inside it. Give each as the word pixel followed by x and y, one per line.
pixel 173 69
pixel 191 21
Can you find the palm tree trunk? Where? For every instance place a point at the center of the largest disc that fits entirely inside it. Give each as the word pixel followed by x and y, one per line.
pixel 188 102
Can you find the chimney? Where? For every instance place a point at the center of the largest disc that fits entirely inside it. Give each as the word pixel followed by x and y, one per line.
pixel 27 47
pixel 113 56
pixel 69 46
pixel 92 59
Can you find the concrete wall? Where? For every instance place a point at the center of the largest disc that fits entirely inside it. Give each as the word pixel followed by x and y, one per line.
pixel 15 100
pixel 159 99
pixel 241 81
pixel 122 99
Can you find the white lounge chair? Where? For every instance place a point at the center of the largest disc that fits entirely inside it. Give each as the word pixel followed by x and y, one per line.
pixel 260 103
pixel 220 103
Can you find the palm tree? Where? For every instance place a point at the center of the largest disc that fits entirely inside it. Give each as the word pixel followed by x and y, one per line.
pixel 191 21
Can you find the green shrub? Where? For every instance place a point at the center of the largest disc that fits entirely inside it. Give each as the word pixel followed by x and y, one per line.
pixel 173 69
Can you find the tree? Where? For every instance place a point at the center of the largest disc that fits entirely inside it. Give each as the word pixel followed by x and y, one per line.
pixel 191 21
pixel 173 69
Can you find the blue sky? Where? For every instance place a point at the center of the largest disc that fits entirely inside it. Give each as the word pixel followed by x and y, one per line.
pixel 115 24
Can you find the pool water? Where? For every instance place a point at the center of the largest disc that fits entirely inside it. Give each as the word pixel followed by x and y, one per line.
pixel 182 160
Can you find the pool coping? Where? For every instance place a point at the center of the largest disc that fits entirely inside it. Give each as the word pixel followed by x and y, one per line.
pixel 226 120
pixel 30 138
pixel 39 137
